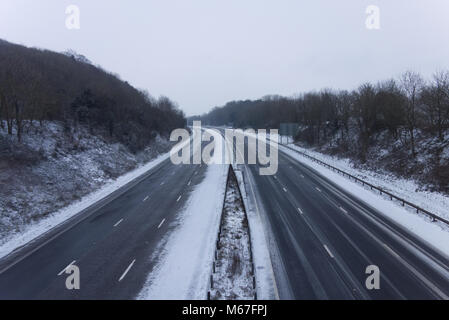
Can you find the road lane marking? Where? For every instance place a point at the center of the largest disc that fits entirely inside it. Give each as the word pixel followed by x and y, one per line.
pixel 127 270
pixel 328 251
pixel 189 183
pixel 418 274
pixel 118 222
pixel 319 190
pixel 285 190
pixel 275 178
pixel 342 209
pixel 63 270
pixel 391 251
pixel 302 176
pixel 300 211
pixel 160 224
pixel 162 183
pixel 179 199
pixel 146 198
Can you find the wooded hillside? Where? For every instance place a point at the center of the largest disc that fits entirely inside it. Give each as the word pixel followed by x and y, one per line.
pixel 43 85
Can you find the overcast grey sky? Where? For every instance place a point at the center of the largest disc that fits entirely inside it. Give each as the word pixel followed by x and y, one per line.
pixel 203 53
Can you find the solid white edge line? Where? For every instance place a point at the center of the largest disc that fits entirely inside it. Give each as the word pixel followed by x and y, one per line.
pixel 179 199
pixel 127 270
pixel 328 251
pixel 63 270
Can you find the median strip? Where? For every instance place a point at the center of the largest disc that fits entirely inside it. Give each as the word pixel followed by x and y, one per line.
pixel 233 274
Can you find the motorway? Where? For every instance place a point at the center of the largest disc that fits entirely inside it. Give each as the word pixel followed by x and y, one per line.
pixel 320 237
pixel 113 243
pixel 321 240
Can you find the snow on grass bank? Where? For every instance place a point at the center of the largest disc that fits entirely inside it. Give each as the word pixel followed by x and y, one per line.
pixel 34 230
pixel 183 270
pixel 409 190
pixel 435 234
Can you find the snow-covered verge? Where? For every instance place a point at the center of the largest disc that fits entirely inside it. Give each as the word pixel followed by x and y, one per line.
pixel 185 261
pixel 435 234
pixel 407 189
pixel 51 175
pixel 233 272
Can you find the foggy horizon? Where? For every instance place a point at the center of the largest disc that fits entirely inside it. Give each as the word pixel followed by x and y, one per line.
pixel 203 54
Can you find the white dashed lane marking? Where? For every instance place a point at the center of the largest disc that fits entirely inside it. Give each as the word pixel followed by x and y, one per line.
pixel 160 224
pixel 118 222
pixel 127 270
pixel 63 270
pixel 328 251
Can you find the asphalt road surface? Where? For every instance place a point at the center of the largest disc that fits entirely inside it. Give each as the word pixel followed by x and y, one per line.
pixel 322 239
pixel 112 242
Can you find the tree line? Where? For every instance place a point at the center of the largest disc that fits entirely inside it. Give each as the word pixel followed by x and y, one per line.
pixel 402 108
pixel 38 85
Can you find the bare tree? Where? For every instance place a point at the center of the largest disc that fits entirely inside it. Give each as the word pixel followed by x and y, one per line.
pixel 412 85
pixel 440 101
